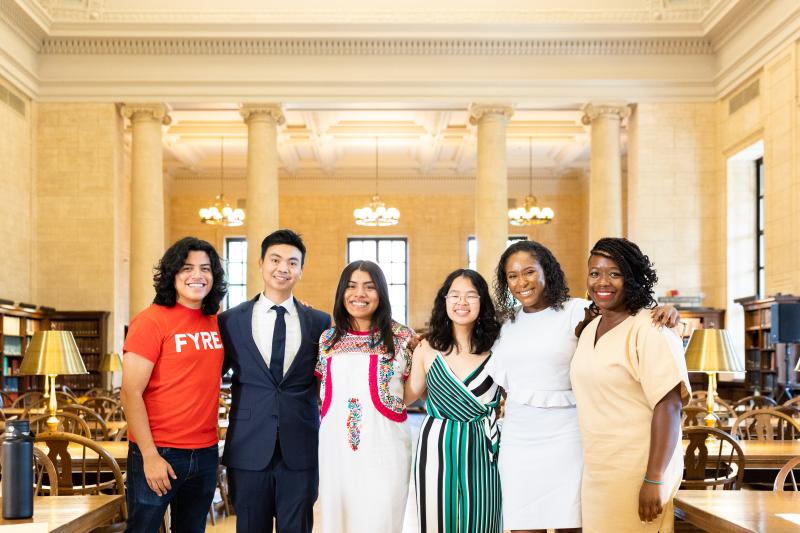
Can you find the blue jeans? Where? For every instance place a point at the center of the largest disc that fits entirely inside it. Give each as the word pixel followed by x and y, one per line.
pixel 189 498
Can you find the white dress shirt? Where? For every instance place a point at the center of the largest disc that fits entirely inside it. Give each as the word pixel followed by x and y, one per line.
pixel 264 325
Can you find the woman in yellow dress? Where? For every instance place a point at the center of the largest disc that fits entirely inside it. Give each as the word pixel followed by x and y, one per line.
pixel 630 381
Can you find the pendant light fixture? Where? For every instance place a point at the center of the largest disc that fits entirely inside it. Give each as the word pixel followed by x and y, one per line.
pixel 530 214
pixel 375 213
pixel 220 213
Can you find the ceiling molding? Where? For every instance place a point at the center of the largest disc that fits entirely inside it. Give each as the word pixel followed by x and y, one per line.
pixel 362 47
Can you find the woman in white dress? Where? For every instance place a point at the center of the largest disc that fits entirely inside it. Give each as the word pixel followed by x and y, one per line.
pixel 364 442
pixel 541 458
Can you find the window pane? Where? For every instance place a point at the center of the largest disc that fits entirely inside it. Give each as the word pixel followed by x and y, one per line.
pixel 472 252
pixel 236 252
pixel 762 283
pixel 399 251
pixel 386 268
pixel 369 251
pixel 399 314
pixel 399 273
pixel 761 251
pixel 385 251
pixel 397 295
pixel 236 295
pixel 355 251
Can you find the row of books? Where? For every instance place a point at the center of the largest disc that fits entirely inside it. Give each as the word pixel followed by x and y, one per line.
pixel 11 366
pixel 77 327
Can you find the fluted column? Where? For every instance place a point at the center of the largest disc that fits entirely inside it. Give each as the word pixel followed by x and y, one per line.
pixel 605 182
pixel 147 198
pixel 491 185
pixel 262 182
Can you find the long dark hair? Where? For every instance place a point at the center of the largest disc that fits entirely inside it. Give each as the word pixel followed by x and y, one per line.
pixel 638 275
pixel 172 262
pixel 556 291
pixel 380 325
pixel 486 328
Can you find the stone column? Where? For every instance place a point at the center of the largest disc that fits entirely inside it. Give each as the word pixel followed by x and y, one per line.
pixel 147 199
pixel 262 183
pixel 491 185
pixel 605 182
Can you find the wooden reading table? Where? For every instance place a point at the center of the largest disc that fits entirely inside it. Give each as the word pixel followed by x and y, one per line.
pixel 72 514
pixel 739 511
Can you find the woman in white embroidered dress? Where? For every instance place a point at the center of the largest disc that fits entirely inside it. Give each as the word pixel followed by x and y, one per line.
pixel 364 442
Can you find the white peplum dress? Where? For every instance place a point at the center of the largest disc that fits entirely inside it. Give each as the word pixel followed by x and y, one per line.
pixel 541 457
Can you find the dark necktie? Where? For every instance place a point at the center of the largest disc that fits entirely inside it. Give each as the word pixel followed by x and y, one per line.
pixel 278 344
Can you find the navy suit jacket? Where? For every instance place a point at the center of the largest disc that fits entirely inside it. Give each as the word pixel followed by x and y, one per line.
pixel 259 404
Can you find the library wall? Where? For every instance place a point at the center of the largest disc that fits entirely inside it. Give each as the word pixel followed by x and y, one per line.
pixel 16 192
pixel 81 226
pixel 675 202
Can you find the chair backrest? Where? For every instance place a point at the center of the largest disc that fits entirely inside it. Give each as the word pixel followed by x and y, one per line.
pixel 712 459
pixel 95 391
pixel 6 400
pixel 787 471
pixel 68 422
pixel 43 465
pixel 117 414
pixel 693 415
pixel 748 403
pixel 765 424
pixel 102 405
pixel 794 402
pixel 24 400
pixel 62 399
pixel 82 466
pixel 96 423
pixel 122 434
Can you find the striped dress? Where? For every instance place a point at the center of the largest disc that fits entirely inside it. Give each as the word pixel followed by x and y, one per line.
pixel 457 483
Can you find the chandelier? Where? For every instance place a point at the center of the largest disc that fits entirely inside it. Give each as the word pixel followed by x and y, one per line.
pixel 530 214
pixel 221 213
pixel 376 213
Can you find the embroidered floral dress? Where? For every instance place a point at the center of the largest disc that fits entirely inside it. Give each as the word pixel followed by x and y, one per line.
pixel 364 443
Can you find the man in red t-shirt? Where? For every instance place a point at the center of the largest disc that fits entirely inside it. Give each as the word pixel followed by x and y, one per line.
pixel 170 391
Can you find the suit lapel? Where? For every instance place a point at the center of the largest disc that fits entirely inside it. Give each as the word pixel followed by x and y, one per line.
pixel 305 327
pixel 245 324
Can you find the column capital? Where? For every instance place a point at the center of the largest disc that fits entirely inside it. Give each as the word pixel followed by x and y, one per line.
pixel 619 110
pixel 479 111
pixel 254 112
pixel 136 111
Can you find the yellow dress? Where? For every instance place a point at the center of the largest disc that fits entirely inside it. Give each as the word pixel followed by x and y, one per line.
pixel 617 384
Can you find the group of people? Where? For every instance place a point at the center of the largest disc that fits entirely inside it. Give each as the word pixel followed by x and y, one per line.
pixel 593 394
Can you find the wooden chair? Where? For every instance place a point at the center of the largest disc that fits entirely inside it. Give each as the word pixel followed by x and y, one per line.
pixel 794 402
pixel 693 415
pixel 765 424
pixel 68 422
pixel 719 465
pixel 95 391
pixel 224 503
pixel 748 403
pixel 787 471
pixel 96 423
pixel 43 465
pixel 721 407
pixel 117 414
pixel 102 405
pixel 6 400
pixel 82 466
pixel 24 400
pixel 62 399
pixel 122 434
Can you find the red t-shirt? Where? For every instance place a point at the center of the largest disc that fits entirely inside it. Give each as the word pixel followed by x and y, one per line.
pixel 182 397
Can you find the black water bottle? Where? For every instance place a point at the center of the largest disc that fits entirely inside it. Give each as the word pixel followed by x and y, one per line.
pixel 17 453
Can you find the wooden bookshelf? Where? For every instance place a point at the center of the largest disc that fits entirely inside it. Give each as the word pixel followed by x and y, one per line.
pixel 89 330
pixel 17 326
pixel 693 318
pixel 762 357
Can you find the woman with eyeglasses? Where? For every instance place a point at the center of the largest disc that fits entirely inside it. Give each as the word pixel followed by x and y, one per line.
pixel 541 461
pixel 457 483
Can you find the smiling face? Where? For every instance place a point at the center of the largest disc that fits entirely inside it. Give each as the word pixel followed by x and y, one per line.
pixel 281 269
pixel 463 303
pixel 361 299
pixel 606 284
pixel 525 278
pixel 194 280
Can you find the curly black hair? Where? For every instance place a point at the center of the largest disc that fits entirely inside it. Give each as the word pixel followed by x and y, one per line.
pixel 486 328
pixel 172 262
pixel 556 291
pixel 638 275
pixel 381 323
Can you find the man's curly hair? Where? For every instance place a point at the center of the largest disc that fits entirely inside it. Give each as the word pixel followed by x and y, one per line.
pixel 638 275
pixel 556 291
pixel 172 262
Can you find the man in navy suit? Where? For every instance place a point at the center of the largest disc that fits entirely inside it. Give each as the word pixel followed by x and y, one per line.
pixel 271 444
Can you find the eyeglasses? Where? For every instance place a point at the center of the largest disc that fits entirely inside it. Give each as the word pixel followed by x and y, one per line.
pixel 455 297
